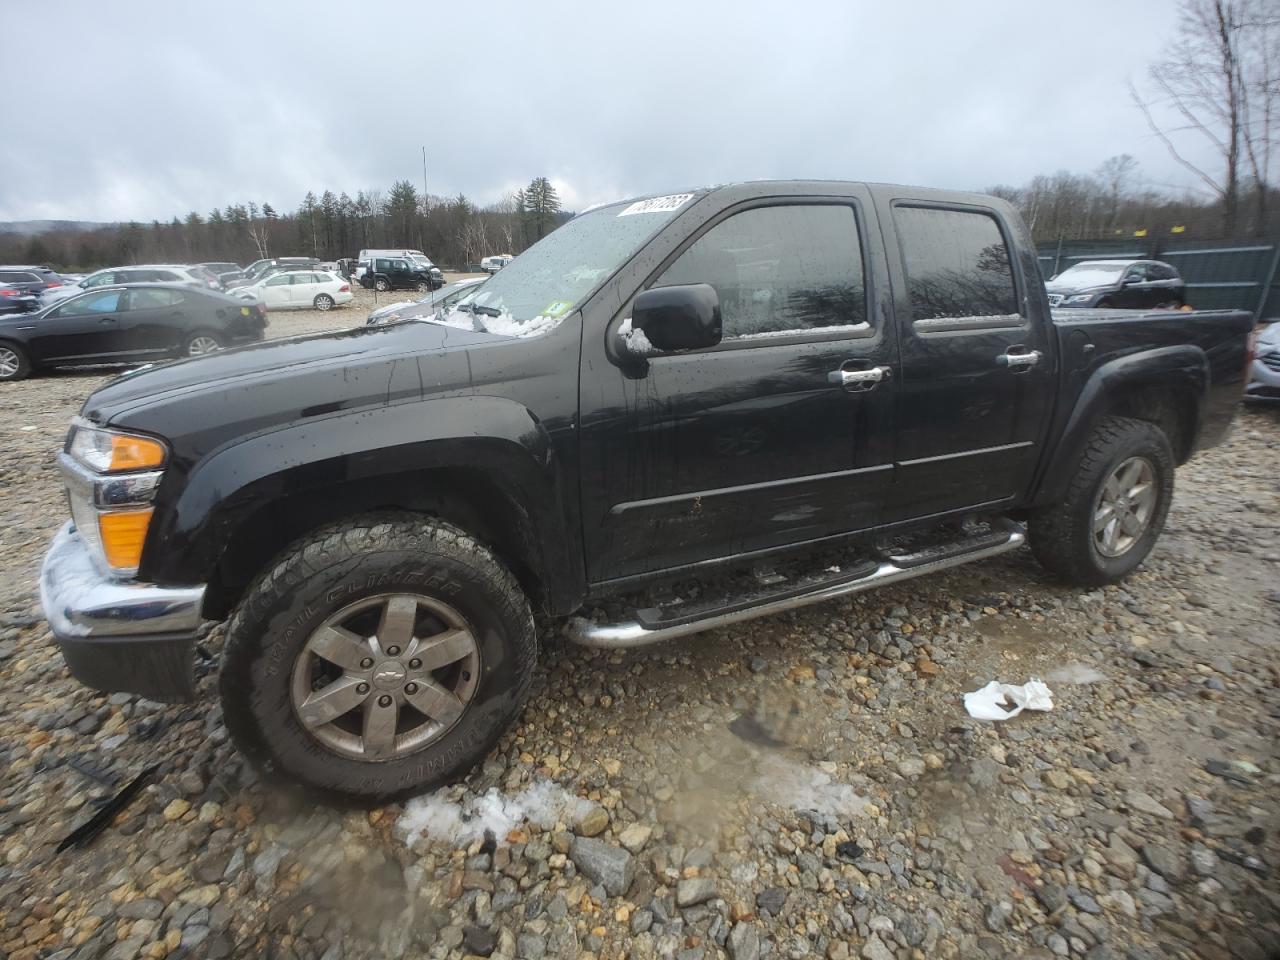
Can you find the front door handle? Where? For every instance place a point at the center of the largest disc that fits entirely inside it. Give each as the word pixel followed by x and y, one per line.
pixel 858 380
pixel 1019 361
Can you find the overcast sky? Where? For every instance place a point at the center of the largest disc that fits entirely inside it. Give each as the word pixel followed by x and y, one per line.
pixel 140 110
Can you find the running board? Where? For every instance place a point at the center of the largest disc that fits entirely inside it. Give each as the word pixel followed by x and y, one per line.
pixel 651 626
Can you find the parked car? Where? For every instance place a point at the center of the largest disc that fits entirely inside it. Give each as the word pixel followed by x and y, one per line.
pixel 1264 372
pixel 1123 284
pixel 862 383
pixel 260 269
pixel 496 263
pixel 145 273
pixel 125 324
pixel 400 273
pixel 223 271
pixel 31 280
pixel 16 300
pixel 301 289
pixel 435 301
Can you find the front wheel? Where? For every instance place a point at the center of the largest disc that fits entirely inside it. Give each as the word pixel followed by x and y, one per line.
pixel 424 287
pixel 377 657
pixel 14 364
pixel 323 302
pixel 1114 508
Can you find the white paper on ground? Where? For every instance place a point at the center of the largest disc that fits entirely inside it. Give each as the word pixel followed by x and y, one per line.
pixel 985 704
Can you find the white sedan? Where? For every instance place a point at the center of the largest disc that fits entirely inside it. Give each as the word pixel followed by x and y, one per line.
pixel 303 289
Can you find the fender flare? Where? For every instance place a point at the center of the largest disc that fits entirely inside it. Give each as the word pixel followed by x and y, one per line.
pixel 241 481
pixel 1183 368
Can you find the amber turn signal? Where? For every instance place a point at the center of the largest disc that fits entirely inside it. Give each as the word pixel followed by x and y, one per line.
pixel 123 533
pixel 135 453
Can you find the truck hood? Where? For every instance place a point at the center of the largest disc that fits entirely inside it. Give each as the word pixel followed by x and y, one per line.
pixel 392 359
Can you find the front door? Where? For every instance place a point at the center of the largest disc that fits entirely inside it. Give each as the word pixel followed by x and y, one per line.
pixel 780 435
pixel 85 328
pixel 977 370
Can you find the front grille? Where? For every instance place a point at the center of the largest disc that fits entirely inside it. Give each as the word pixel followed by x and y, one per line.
pixel 1271 360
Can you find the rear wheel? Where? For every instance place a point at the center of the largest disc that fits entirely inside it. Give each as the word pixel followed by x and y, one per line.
pixel 1114 507
pixel 377 657
pixel 200 343
pixel 323 302
pixel 14 364
pixel 381 285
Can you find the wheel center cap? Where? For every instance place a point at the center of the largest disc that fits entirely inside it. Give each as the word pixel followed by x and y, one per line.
pixel 389 674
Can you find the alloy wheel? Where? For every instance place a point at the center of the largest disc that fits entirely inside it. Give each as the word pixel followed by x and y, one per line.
pixel 1126 503
pixel 199 346
pixel 9 363
pixel 385 676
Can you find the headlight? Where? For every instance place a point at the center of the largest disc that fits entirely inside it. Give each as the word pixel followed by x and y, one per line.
pixel 1077 298
pixel 111 480
pixel 105 451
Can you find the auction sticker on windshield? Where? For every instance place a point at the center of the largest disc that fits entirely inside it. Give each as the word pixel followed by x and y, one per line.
pixel 658 204
pixel 556 307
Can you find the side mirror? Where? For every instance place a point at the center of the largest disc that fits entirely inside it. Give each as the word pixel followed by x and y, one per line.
pixel 1130 281
pixel 684 317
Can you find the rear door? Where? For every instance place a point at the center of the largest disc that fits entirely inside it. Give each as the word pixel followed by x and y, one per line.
pixel 758 442
pixel 154 321
pixel 977 367
pixel 85 328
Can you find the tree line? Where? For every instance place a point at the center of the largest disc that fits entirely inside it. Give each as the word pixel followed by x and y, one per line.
pixel 453 231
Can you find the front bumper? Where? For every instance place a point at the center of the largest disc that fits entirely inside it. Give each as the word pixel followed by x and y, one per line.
pixel 116 635
pixel 1264 378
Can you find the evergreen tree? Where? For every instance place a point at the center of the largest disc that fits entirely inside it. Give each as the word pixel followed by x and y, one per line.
pixel 537 205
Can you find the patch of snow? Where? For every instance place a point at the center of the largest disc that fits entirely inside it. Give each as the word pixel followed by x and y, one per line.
pixel 1075 673
pixel 799 787
pixel 543 803
pixel 634 340
pixel 507 325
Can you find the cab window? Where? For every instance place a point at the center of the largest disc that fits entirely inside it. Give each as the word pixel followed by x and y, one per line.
pixel 957 266
pixel 778 270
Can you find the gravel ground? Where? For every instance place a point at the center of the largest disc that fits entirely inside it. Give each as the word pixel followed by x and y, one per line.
pixel 804 785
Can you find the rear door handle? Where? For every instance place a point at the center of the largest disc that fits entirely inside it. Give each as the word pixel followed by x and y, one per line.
pixel 1019 361
pixel 858 380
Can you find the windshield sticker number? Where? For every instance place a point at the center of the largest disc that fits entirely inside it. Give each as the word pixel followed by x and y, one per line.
pixel 658 204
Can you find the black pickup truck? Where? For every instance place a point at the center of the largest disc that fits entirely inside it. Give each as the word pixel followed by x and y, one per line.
pixel 785 392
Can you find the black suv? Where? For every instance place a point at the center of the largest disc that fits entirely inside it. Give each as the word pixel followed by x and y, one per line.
pixel 401 273
pixel 1126 284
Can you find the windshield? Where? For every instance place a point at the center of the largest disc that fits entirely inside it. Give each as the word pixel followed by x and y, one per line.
pixel 1091 273
pixel 422 262
pixel 534 291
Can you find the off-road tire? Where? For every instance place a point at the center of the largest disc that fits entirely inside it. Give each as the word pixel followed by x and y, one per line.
pixel 1062 535
pixel 337 565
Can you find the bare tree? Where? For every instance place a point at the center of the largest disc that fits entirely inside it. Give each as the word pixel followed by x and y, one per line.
pixel 1116 174
pixel 1209 82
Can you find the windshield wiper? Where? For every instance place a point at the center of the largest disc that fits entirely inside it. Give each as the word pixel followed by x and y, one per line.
pixel 487 311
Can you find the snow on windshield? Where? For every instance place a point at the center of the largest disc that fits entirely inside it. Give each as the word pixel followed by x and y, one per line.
pixel 534 292
pixel 1090 274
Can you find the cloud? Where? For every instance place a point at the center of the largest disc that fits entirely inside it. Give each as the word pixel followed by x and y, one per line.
pixel 145 113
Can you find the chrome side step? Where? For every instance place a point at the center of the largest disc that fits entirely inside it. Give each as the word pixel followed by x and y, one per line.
pixel 634 633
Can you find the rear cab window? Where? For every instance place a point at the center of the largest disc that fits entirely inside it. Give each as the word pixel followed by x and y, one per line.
pixel 958 270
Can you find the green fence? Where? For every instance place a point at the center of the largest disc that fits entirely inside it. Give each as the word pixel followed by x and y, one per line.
pixel 1220 274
